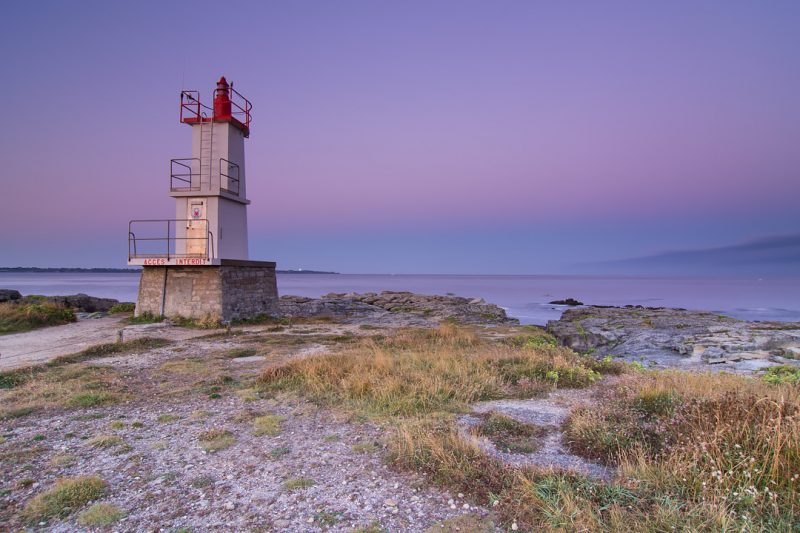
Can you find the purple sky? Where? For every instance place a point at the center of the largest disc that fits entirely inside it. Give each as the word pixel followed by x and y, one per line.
pixel 435 137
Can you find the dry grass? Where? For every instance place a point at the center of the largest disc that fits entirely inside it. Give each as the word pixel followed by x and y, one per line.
pixel 425 371
pixel 65 497
pixel 59 387
pixel 696 452
pixel 727 447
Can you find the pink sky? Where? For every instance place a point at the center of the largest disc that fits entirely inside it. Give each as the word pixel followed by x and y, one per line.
pixel 495 131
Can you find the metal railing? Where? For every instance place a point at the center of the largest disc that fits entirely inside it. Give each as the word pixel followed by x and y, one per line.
pixel 159 245
pixel 231 174
pixel 193 110
pixel 182 177
pixel 240 106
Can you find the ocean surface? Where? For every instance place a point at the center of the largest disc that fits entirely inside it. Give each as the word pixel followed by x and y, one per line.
pixel 523 297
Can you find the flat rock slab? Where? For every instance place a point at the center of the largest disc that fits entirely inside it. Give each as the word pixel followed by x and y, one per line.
pixel 666 337
pixel 550 413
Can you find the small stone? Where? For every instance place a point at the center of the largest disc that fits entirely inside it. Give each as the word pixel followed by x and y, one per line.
pixel 310 520
pixel 452 506
pixel 230 506
pixel 465 506
pixel 390 503
pixel 514 526
pixel 460 495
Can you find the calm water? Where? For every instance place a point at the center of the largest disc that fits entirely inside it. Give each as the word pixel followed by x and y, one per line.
pixel 524 297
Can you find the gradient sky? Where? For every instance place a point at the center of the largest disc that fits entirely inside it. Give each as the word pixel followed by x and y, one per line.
pixel 430 137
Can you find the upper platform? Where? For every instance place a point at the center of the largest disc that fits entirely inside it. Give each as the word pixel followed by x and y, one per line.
pixel 228 106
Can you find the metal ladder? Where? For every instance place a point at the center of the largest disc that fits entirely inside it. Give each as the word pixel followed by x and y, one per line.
pixel 206 150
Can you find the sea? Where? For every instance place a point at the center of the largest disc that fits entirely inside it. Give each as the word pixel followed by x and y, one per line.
pixel 524 297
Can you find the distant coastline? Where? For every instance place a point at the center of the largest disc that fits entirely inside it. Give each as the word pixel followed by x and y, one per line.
pixel 123 270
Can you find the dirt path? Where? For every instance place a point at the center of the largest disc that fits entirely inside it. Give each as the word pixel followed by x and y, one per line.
pixel 41 345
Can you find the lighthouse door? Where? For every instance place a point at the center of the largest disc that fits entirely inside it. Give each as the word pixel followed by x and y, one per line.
pixel 196 228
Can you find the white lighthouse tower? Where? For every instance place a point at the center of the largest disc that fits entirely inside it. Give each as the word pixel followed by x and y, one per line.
pixel 197 264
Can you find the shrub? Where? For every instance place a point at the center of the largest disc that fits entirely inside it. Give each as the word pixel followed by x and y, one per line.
pixel 16 317
pixel 782 374
pixel 65 497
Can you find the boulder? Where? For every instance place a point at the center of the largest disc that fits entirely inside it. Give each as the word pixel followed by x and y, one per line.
pixel 9 295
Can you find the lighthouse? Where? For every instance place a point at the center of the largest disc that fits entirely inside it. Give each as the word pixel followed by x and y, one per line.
pixel 197 264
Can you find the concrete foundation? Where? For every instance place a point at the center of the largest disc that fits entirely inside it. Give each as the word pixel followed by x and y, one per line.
pixel 232 290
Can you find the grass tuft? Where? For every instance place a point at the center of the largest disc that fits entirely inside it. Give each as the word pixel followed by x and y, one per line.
pixel 215 440
pixel 509 435
pixel 65 497
pixel 268 425
pixel 297 483
pixel 101 514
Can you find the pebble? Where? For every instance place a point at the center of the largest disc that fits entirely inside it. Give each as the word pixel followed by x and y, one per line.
pixel 390 503
pixel 230 506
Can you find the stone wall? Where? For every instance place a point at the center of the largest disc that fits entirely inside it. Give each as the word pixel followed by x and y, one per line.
pixel 234 289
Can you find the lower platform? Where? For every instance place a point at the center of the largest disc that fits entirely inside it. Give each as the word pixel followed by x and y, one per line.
pixel 231 290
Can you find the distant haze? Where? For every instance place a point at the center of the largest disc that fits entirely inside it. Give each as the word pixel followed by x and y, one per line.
pixel 436 137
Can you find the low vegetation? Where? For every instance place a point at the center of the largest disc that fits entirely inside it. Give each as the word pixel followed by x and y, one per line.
pixel 61 387
pixel 427 371
pixel 297 483
pixel 509 435
pixel 18 317
pixel 694 451
pixel 122 307
pixel 215 440
pixel 269 425
pixel 67 496
pixel 100 515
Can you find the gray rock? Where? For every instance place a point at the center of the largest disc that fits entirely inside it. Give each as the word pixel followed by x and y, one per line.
pixel 9 295
pixel 395 309
pixel 675 337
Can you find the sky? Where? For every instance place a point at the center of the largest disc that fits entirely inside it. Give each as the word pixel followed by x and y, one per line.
pixel 510 137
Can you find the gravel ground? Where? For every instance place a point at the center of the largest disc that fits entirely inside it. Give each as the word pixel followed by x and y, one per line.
pixel 162 478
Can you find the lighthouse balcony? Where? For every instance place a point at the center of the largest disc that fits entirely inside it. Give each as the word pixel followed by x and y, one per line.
pixel 188 175
pixel 229 106
pixel 165 242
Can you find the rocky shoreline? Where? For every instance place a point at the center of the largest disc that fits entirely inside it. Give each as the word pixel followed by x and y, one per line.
pixel 669 337
pixel 395 309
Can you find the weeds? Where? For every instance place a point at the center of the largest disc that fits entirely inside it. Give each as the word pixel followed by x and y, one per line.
pixel 122 307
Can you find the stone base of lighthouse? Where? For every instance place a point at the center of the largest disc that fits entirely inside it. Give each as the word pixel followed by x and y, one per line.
pixel 231 290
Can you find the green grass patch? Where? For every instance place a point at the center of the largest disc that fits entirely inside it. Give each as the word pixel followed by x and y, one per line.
pixel 268 425
pixel 64 498
pixel 298 483
pixel 19 317
pixel 100 515
pixel 122 307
